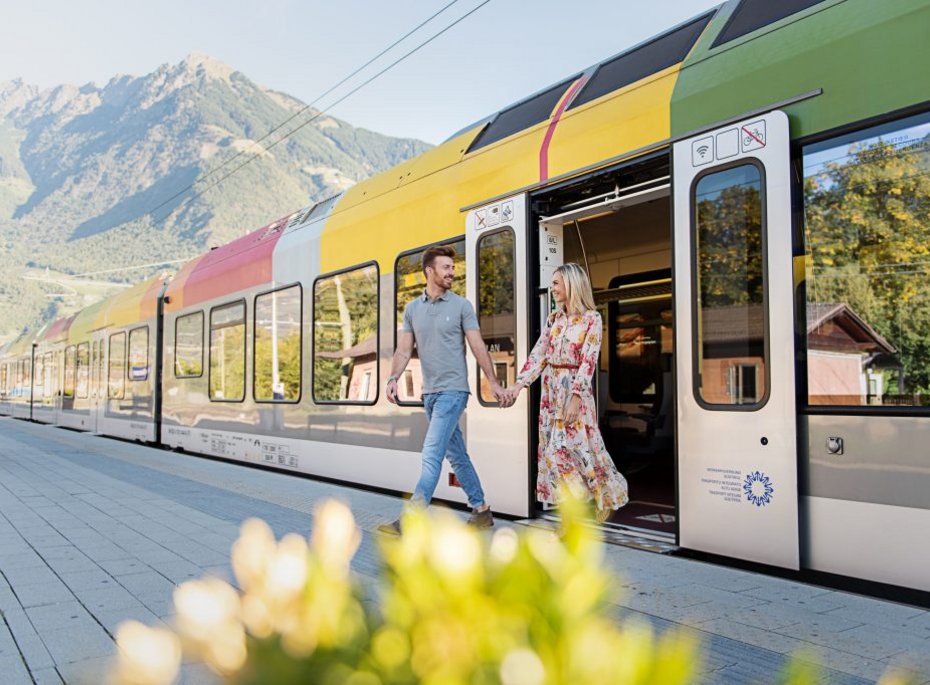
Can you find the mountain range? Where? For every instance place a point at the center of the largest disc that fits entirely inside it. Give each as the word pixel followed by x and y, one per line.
pixel 87 176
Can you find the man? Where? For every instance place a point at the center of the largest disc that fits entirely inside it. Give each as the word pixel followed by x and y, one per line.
pixel 439 321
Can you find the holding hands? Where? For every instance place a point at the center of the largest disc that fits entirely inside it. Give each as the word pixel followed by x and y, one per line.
pixel 511 394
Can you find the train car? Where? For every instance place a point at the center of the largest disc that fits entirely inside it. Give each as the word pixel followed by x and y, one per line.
pixel 750 193
pixel 46 390
pixel 109 363
pixel 16 399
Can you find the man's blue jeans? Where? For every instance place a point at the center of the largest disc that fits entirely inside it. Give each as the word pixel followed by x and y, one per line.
pixel 444 439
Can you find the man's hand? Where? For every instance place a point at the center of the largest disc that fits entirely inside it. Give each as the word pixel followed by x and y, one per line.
pixel 502 396
pixel 513 392
pixel 570 415
pixel 391 390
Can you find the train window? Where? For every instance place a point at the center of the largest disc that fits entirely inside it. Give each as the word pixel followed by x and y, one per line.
pixel 227 353
pixel 139 353
pixel 409 283
pixel 116 373
pixel 754 14
pixel 188 346
pixel 533 110
pixel 101 387
pixel 729 270
pixel 93 368
pixel 70 357
pixel 640 62
pixel 38 389
pixel 83 364
pixel 278 325
pixel 866 202
pixel 49 374
pixel 496 312
pixel 345 336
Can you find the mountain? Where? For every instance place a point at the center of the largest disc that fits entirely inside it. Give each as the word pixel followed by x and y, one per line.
pixel 82 168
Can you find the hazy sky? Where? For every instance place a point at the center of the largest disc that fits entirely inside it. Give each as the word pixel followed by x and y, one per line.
pixel 503 52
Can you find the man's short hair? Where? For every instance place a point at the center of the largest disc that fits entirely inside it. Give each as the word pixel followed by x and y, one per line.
pixel 429 256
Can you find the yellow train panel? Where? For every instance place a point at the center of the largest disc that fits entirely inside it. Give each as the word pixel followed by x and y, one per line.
pixel 418 202
pixel 373 223
pixel 628 119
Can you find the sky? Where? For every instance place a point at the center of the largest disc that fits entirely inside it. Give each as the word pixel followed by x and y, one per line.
pixel 506 50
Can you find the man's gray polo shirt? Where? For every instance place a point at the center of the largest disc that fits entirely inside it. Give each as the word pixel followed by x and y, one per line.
pixel 438 327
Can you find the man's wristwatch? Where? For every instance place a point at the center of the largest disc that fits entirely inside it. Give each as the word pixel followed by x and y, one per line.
pixel 391 378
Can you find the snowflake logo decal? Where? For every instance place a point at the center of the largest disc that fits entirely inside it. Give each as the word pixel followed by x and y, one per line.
pixel 758 488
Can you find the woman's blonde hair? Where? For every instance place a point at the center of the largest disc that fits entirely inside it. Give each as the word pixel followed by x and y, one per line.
pixel 578 296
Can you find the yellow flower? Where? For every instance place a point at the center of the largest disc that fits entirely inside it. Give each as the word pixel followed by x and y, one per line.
pixel 147 656
pixel 335 536
pixel 522 667
pixel 209 618
pixel 251 551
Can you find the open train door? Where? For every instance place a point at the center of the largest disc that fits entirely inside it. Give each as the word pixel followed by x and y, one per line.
pixel 737 443
pixel 496 284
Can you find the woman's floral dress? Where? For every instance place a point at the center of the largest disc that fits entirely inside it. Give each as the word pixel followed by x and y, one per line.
pixel 567 356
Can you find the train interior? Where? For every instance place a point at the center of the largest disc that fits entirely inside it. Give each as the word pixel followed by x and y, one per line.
pixel 618 225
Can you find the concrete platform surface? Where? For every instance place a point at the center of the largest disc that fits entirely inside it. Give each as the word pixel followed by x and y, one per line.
pixel 95 531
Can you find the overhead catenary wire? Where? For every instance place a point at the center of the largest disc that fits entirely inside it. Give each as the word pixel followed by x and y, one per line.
pixel 307 106
pixel 315 116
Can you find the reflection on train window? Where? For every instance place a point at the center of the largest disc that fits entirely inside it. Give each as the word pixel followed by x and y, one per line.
pixel 409 283
pixel 642 349
pixel 278 324
pixel 730 286
pixel 68 390
pixel 50 375
pixel 188 346
pixel 93 368
pixel 227 353
pixel 39 387
pixel 139 354
pixel 496 313
pixel 83 366
pixel 345 336
pixel 116 375
pixel 866 209
pixel 100 370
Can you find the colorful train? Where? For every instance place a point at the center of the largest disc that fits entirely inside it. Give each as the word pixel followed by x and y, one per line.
pixel 750 192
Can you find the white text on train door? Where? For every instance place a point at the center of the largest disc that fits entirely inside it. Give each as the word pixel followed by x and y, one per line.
pixel 737 443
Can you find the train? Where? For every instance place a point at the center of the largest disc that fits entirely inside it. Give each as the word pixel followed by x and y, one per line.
pixel 750 194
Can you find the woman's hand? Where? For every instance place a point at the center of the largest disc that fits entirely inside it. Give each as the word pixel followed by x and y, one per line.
pixel 514 392
pixel 572 411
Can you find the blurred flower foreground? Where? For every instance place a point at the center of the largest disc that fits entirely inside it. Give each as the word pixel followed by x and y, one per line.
pixel 454 606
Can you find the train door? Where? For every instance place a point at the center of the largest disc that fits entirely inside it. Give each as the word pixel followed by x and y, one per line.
pixel 98 401
pixel 737 435
pixel 496 278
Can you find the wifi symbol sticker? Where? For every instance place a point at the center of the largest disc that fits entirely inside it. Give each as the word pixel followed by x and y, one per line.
pixel 702 151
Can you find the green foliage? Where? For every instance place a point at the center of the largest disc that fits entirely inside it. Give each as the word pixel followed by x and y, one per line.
pixel 102 159
pixel 868 237
pixel 454 607
pixel 496 275
pixel 345 315
pixel 288 366
pixel 729 224
pixel 227 363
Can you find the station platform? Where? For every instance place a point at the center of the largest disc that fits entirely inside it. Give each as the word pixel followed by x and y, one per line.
pixel 95 531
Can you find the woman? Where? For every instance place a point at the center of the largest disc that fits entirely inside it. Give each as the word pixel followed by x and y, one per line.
pixel 571 449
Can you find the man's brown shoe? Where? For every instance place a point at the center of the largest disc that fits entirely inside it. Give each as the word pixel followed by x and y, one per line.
pixel 481 519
